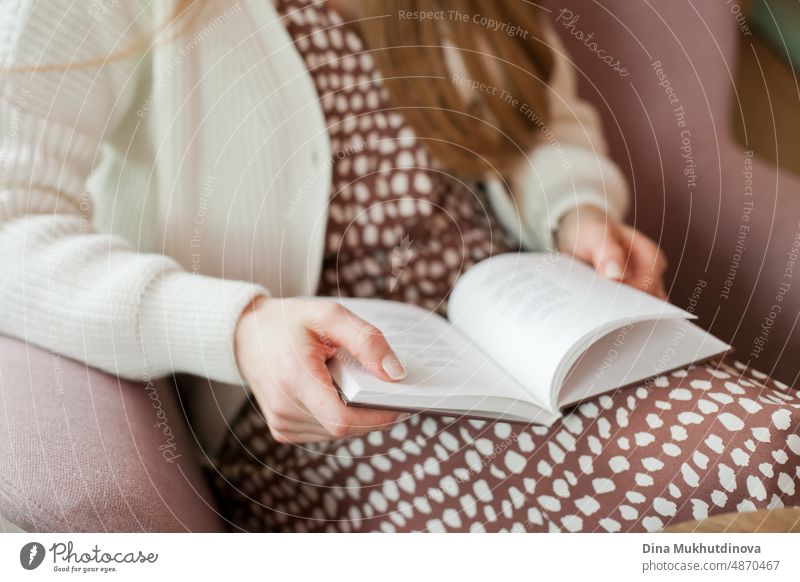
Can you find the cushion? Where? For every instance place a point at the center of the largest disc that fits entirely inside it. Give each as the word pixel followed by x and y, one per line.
pixel 82 451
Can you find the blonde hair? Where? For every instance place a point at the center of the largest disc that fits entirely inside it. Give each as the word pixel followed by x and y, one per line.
pixel 474 121
pixel 477 119
pixel 506 62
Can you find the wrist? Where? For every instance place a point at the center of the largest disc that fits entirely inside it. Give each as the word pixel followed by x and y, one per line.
pixel 245 324
pixel 576 219
pixel 187 324
pixel 584 213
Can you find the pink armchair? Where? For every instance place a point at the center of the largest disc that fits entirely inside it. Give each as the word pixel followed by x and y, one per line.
pixel 727 222
pixel 82 451
pixel 79 450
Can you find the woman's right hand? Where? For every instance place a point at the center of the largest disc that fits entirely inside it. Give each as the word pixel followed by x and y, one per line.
pixel 282 346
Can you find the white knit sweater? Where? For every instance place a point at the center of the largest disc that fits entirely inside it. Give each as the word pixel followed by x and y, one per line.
pixel 145 201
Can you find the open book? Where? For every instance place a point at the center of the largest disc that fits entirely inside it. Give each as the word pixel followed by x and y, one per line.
pixel 528 334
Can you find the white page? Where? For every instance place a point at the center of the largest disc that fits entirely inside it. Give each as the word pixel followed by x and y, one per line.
pixel 634 353
pixel 443 367
pixel 532 313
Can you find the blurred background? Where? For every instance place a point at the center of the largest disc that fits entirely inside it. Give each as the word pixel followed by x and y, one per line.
pixel 700 104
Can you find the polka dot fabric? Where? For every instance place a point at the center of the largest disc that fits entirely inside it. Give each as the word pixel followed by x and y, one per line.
pixel 709 439
pixel 399 226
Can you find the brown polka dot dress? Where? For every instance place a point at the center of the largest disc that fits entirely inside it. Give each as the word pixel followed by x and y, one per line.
pixel 709 439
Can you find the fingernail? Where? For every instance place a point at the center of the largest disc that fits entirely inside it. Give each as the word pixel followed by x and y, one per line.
pixel 393 367
pixel 403 416
pixel 613 270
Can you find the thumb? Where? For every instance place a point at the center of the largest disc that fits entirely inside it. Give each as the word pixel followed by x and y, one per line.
pixel 609 258
pixel 365 342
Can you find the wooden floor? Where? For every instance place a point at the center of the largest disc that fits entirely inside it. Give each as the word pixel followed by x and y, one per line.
pixel 785 520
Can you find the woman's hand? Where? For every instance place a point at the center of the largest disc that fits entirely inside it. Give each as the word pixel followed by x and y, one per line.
pixel 282 346
pixel 616 250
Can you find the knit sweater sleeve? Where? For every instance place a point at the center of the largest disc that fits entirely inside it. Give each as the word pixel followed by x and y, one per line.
pixel 568 167
pixel 64 286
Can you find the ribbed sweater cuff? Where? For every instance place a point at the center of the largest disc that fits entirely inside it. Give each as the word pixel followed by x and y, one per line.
pixel 188 322
pixel 585 197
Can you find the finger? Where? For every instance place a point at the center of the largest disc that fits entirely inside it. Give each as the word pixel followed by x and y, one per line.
pixel 339 420
pixel 646 251
pixel 609 255
pixel 299 438
pixel 305 422
pixel 648 263
pixel 283 411
pixel 661 292
pixel 365 342
pixel 586 237
pixel 286 413
pixel 309 425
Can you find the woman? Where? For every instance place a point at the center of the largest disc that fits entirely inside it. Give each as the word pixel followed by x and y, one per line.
pixel 256 153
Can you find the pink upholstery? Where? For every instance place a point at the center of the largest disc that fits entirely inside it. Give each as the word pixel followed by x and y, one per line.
pixel 697 44
pixel 80 450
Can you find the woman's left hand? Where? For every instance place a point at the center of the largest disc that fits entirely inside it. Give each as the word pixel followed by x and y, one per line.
pixel 616 250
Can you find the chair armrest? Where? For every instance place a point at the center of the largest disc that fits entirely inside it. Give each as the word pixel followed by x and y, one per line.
pixel 82 451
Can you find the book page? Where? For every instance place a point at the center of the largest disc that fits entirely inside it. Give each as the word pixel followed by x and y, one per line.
pixel 634 352
pixel 534 313
pixel 441 364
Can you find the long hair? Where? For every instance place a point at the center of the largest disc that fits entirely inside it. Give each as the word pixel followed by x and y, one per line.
pixel 469 76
